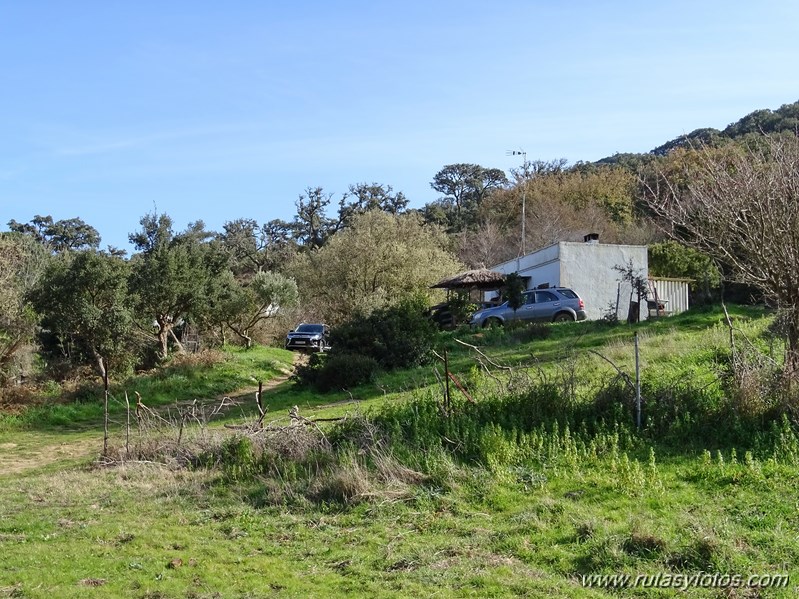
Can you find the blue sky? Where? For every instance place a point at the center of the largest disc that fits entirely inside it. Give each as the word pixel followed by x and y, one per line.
pixel 215 111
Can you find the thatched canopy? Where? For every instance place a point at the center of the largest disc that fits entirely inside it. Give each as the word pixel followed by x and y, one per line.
pixel 481 278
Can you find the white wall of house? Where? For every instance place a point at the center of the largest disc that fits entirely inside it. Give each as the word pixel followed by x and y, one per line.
pixel 588 269
pixel 543 266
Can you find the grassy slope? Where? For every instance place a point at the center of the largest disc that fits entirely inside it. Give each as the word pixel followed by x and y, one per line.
pixel 50 433
pixel 670 349
pixel 528 532
pixel 205 377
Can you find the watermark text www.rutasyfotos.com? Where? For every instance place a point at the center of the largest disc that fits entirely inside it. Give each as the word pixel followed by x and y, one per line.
pixel 667 580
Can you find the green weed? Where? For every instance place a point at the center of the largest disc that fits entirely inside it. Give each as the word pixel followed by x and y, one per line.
pixel 540 480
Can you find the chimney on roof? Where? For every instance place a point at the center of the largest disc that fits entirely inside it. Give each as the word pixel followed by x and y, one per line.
pixel 591 238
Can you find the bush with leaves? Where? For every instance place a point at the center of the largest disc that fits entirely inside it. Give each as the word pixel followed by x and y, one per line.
pixel 515 286
pixel 673 259
pixel 397 337
pixel 84 302
pixel 336 372
pixel 21 263
pixel 375 261
pixel 461 307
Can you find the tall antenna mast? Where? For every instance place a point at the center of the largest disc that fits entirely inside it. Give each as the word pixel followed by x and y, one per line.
pixel 524 193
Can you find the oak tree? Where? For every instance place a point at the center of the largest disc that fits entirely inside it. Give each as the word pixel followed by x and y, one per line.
pixel 246 303
pixel 740 205
pixel 22 260
pixel 58 236
pixel 84 302
pixel 174 278
pixel 463 187
pixel 377 261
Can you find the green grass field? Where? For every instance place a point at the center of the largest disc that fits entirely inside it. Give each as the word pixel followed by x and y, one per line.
pixel 509 507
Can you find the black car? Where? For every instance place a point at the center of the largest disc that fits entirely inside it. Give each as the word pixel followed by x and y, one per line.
pixel 308 337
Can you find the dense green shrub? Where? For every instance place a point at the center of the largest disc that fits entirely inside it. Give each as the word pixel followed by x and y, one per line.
pixel 397 337
pixel 515 285
pixel 508 425
pixel 337 371
pixel 672 259
pixel 461 307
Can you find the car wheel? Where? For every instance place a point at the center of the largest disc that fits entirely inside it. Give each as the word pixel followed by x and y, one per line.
pixel 490 323
pixel 563 317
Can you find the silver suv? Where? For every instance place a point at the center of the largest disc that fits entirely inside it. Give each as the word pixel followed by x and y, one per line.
pixel 555 304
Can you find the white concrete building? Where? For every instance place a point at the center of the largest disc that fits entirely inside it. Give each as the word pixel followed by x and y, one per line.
pixel 588 269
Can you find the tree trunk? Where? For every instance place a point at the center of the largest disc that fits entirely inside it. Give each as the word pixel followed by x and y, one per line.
pixel 243 333
pixel 791 369
pixel 163 340
pixel 8 353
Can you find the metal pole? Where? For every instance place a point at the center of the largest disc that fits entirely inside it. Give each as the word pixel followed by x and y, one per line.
pixel 523 154
pixel 524 203
pixel 637 385
pixel 447 402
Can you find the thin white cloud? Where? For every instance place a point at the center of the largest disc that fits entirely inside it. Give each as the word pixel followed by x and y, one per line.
pixel 61 142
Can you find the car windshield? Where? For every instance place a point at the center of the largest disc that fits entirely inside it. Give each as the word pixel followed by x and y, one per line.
pixel 311 328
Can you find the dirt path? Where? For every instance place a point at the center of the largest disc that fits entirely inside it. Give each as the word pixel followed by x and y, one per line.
pixel 28 450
